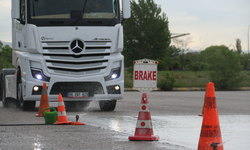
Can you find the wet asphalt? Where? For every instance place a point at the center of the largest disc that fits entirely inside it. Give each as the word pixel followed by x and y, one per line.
pixel 22 130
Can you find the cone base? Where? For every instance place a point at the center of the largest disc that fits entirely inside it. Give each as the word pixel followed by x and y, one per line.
pixel 77 123
pixel 143 138
pixel 64 122
pixel 39 115
pixel 205 143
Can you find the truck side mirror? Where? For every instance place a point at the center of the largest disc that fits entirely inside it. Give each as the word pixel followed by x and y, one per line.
pixel 15 9
pixel 126 9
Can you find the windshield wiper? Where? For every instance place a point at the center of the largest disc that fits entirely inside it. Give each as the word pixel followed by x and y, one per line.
pixel 83 10
pixel 95 22
pixel 112 20
pixel 56 22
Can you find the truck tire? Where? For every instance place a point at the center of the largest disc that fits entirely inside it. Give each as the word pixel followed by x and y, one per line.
pixel 107 105
pixel 77 105
pixel 24 105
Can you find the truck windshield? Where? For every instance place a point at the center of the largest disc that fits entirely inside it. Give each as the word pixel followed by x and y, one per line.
pixel 68 11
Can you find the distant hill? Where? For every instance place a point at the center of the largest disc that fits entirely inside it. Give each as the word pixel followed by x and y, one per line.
pixel 6 43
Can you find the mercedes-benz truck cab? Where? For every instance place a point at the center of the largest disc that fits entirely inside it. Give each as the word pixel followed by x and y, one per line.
pixel 74 46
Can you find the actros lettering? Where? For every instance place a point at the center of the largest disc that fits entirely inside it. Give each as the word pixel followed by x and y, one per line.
pixel 145 75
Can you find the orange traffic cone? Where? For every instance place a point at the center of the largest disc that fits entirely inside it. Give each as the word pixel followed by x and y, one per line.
pixel 210 130
pixel 204 101
pixel 61 113
pixel 144 130
pixel 44 103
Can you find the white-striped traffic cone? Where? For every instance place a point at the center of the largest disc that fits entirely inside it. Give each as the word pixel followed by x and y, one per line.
pixel 61 113
pixel 144 128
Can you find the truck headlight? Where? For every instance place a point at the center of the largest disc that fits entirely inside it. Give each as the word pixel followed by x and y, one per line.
pixel 38 74
pixel 114 74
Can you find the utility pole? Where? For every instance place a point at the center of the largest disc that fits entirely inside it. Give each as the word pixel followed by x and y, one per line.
pixel 176 35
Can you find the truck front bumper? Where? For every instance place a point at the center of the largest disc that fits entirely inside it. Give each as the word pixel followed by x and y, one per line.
pixel 95 86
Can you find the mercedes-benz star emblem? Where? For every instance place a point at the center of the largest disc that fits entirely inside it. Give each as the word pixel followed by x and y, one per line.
pixel 77 46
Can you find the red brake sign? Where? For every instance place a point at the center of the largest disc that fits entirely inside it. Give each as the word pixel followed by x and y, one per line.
pixel 145 74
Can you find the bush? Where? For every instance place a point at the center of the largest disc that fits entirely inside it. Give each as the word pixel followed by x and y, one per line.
pixel 226 72
pixel 131 70
pixel 163 64
pixel 128 83
pixel 168 83
pixel 5 56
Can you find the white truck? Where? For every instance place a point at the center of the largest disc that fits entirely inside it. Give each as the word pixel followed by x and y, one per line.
pixel 72 45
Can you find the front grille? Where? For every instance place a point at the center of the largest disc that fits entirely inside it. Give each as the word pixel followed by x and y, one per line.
pixel 92 59
pixel 64 87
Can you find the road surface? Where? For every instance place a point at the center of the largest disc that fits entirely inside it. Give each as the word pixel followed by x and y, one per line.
pixel 174 116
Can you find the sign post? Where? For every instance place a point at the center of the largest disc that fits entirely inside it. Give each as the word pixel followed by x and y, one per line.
pixel 145 80
pixel 145 75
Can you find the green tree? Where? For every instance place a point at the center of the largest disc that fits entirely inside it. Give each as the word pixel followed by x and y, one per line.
pixel 244 60
pixel 226 68
pixel 209 52
pixel 244 57
pixel 191 57
pixel 238 46
pixel 5 56
pixel 1 44
pixel 173 52
pixel 168 60
pixel 204 66
pixel 182 45
pixel 146 33
pixel 176 65
pixel 163 63
pixel 196 66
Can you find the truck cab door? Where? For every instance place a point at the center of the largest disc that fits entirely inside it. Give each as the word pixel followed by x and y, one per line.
pixel 18 14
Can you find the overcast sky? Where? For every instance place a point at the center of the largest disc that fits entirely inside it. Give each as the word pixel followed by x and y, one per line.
pixel 209 22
